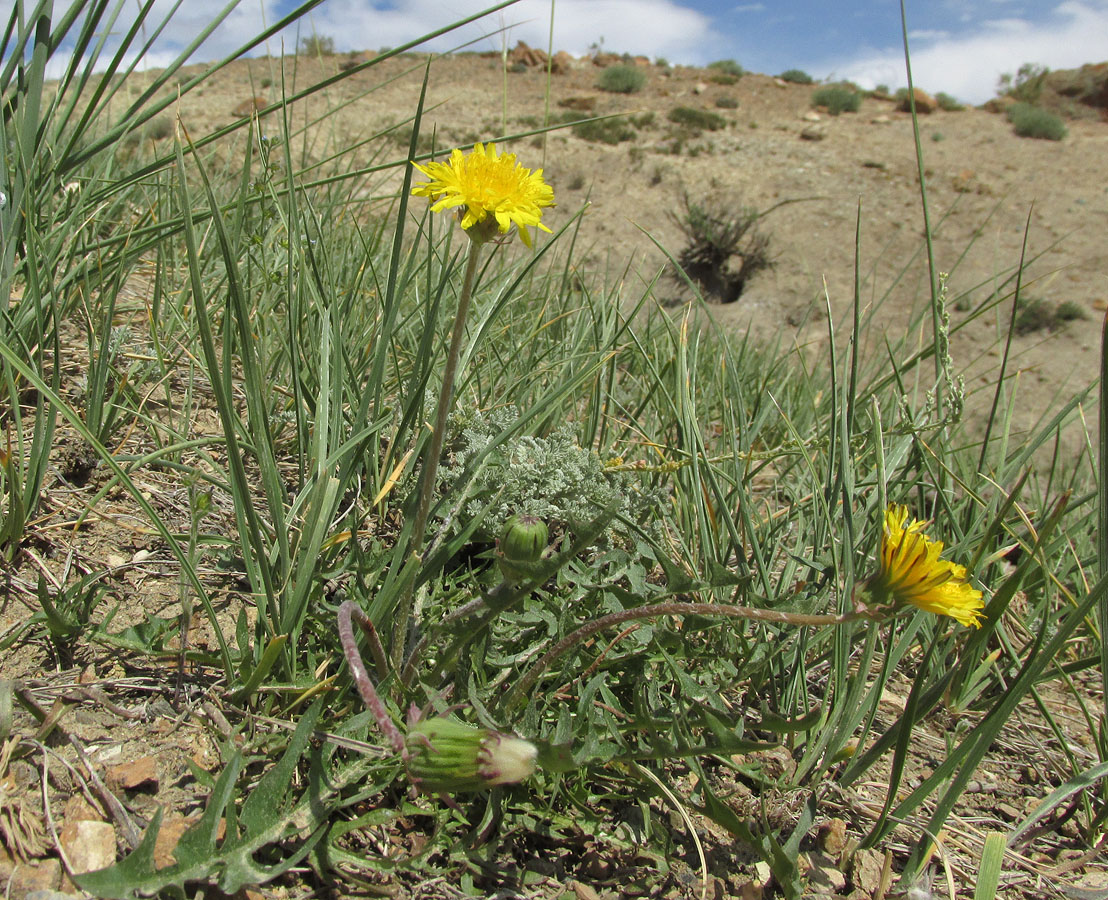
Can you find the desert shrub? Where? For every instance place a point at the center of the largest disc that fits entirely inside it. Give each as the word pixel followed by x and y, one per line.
pixel 604 131
pixel 727 103
pixel 938 137
pixel 727 67
pixel 837 99
pixel 796 76
pixel 1027 84
pixel 1035 122
pixel 317 45
pixel 724 246
pixel 621 79
pixel 723 78
pixel 700 119
pixel 642 120
pixel 1037 314
pixel 661 62
pixel 947 102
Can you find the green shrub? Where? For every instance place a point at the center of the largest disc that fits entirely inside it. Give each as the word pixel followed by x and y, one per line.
pixel 796 76
pixel 723 78
pixel 604 131
pixel 727 67
pixel 1027 84
pixel 317 45
pixel 1036 314
pixel 643 120
pixel 700 119
pixel 727 103
pixel 837 99
pixel 1036 122
pixel 947 102
pixel 621 79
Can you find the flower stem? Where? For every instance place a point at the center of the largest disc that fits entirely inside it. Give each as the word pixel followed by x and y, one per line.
pixel 527 682
pixel 347 611
pixel 431 462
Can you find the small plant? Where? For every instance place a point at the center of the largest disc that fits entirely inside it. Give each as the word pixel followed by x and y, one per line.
pixel 727 103
pixel 723 78
pixel 604 131
pixel 661 62
pixel 1038 314
pixel 643 120
pixel 317 45
pixel 938 137
pixel 621 79
pixel 727 67
pixel 1027 84
pixel 698 119
pixel 948 103
pixel 1036 122
pixel 796 76
pixel 837 98
pixel 724 247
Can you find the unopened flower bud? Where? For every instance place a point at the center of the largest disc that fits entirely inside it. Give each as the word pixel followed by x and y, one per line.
pixel 521 545
pixel 447 756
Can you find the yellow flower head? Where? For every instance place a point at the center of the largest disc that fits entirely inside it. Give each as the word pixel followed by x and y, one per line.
pixel 485 185
pixel 912 570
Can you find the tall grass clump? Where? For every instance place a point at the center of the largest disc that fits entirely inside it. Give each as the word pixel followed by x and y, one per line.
pixel 621 79
pixel 465 546
pixel 1035 122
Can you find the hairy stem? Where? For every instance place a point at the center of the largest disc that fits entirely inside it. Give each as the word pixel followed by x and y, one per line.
pixel 431 462
pixel 347 611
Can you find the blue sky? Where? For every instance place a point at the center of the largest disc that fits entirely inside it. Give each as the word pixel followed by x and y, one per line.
pixel 958 46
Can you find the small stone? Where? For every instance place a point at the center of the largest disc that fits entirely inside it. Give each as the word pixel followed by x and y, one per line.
pixel 699 88
pixel 880 120
pixel 811 116
pixel 91 845
pixel 865 870
pixel 825 874
pixel 40 875
pixel 813 133
pixel 832 837
pixel 115 560
pixel 138 774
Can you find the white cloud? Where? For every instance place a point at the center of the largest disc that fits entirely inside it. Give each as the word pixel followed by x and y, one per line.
pixel 968 65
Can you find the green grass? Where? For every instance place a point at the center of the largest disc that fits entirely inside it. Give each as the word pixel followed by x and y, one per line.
pixel 253 341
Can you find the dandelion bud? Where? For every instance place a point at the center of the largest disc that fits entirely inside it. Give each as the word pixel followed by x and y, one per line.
pixel 447 756
pixel 520 547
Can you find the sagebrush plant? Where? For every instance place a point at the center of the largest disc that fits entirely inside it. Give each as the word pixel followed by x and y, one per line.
pixel 796 76
pixel 837 99
pixel 621 79
pixel 696 119
pixel 1035 122
pixel 742 540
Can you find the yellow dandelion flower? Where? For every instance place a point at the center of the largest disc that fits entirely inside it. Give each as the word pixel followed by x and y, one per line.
pixel 486 185
pixel 912 570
